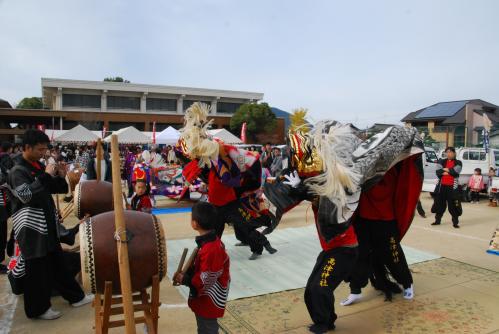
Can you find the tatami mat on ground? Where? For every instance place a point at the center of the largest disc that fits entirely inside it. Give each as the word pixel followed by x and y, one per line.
pixel 287 269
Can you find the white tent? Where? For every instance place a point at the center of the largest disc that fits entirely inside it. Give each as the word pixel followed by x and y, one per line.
pixel 168 136
pixel 225 136
pixel 78 134
pixel 129 135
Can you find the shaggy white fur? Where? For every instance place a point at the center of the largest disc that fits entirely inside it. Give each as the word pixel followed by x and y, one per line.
pixel 334 144
pixel 195 134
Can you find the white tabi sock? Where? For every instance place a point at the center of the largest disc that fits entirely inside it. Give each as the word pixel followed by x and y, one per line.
pixel 409 292
pixel 352 298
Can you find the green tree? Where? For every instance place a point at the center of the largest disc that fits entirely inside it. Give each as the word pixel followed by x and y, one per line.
pixel 259 119
pixel 116 79
pixel 298 120
pixel 30 103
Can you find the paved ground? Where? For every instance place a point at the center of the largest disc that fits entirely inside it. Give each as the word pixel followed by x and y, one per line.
pixel 455 294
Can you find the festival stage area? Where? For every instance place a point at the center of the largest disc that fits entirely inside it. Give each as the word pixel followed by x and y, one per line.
pixel 455 283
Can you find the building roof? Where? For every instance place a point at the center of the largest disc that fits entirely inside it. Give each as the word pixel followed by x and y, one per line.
pixel 448 111
pixel 143 88
pixel 442 109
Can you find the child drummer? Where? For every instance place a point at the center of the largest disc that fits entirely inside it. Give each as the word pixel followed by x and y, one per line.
pixel 209 277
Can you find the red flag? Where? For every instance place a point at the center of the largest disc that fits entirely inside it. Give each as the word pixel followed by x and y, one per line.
pixel 154 132
pixel 243 133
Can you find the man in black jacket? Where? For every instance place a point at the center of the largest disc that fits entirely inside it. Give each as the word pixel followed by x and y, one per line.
pixel 41 266
pixel 446 191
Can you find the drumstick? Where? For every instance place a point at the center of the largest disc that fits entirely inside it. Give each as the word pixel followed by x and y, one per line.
pixel 191 260
pixel 67 213
pixel 180 264
pixel 67 208
pixel 99 158
pixel 128 207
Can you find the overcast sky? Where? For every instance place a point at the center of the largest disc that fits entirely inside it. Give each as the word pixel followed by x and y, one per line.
pixel 356 61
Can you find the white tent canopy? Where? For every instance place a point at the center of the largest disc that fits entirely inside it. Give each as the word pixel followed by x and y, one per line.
pixel 225 136
pixel 129 135
pixel 168 136
pixel 78 134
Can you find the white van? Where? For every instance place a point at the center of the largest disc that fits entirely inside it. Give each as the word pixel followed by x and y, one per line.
pixel 474 157
pixel 471 158
pixel 430 162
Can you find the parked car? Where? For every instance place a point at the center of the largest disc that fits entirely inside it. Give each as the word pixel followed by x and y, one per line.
pixel 430 162
pixel 471 157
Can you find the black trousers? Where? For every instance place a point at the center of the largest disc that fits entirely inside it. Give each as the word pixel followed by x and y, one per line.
pixel 245 226
pixel 420 209
pixel 447 197
pixel 379 244
pixel 475 196
pixel 207 325
pixel 3 238
pixel 330 269
pixel 42 275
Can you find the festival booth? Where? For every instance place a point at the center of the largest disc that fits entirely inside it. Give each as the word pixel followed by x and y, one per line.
pixel 168 136
pixel 78 134
pixel 225 136
pixel 129 135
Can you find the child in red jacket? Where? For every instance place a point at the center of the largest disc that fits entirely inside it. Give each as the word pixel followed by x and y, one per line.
pixel 209 277
pixel 141 201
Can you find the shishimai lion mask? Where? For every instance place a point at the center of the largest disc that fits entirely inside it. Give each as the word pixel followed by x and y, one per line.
pixel 195 141
pixel 323 158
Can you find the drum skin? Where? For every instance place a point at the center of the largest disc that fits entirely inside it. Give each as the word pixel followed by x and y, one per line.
pixel 99 255
pixel 93 197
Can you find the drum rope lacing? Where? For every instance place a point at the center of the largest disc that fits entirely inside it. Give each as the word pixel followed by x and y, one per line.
pixel 117 235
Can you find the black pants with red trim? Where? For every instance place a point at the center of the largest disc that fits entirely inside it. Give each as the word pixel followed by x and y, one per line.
pixel 330 269
pixel 379 246
pixel 42 275
pixel 245 226
pixel 447 197
pixel 3 239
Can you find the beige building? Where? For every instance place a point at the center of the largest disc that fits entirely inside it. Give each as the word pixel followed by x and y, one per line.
pixel 455 123
pixel 114 105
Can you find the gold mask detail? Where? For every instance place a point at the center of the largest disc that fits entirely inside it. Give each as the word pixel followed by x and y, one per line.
pixel 305 158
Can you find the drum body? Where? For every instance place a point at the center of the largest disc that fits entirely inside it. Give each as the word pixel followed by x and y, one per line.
pixel 99 255
pixel 93 197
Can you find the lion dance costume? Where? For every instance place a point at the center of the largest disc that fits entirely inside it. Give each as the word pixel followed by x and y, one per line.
pixel 233 177
pixel 344 178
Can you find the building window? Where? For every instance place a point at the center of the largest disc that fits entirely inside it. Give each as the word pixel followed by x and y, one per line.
pixel 188 103
pixel 81 101
pixel 161 104
pixel 123 102
pixel 459 136
pixel 227 107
